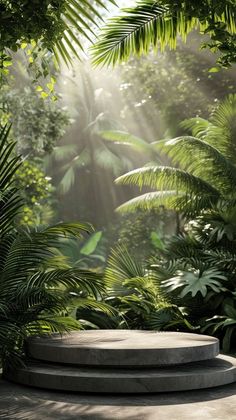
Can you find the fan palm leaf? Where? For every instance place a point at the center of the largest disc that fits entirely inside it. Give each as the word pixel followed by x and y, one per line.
pixel 121 266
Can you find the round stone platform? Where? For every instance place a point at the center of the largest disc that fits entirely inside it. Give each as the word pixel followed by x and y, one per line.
pixel 123 348
pixel 124 361
pixel 198 375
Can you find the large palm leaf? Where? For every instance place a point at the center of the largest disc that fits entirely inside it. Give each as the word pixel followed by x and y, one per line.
pixel 90 151
pixel 79 18
pixel 179 190
pixel 158 24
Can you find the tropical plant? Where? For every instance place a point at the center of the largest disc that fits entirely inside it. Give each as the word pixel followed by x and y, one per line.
pixel 160 23
pixel 37 193
pixel 38 288
pixel 198 267
pixel 37 124
pixel 226 324
pixel 52 26
pixel 85 253
pixel 172 86
pixel 193 186
pixel 87 151
pixel 134 294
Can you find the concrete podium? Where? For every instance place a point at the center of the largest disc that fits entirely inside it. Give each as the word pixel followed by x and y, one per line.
pixel 125 361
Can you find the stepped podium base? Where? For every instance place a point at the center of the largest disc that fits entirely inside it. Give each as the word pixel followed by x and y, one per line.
pixel 125 361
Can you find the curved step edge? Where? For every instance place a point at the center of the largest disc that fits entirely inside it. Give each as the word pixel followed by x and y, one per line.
pixel 200 375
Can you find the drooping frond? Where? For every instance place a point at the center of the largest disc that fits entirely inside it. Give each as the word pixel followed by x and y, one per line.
pixel 107 159
pixel 76 229
pixel 202 159
pixel 189 205
pixel 149 201
pixel 61 153
pixel 8 163
pixel 10 207
pixel 168 178
pixel 147 24
pixel 78 162
pixel 80 18
pixel 197 126
pixel 157 24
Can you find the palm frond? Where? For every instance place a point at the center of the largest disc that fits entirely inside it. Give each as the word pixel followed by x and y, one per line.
pixel 10 207
pixel 197 126
pixel 80 19
pixel 150 201
pixel 75 229
pixel 211 165
pixel 107 159
pixel 153 24
pixel 147 24
pixel 61 153
pixel 8 163
pixel 78 162
pixel 164 177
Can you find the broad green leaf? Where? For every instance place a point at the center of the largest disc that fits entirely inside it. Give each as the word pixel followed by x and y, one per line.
pixel 91 244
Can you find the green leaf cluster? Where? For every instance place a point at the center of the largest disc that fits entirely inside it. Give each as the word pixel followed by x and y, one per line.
pixel 196 270
pixel 37 124
pixel 38 287
pixel 36 190
pixel 52 26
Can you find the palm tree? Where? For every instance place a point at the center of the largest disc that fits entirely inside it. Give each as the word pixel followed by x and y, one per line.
pixel 198 267
pixel 159 23
pixel 206 174
pixel 86 150
pixel 38 288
